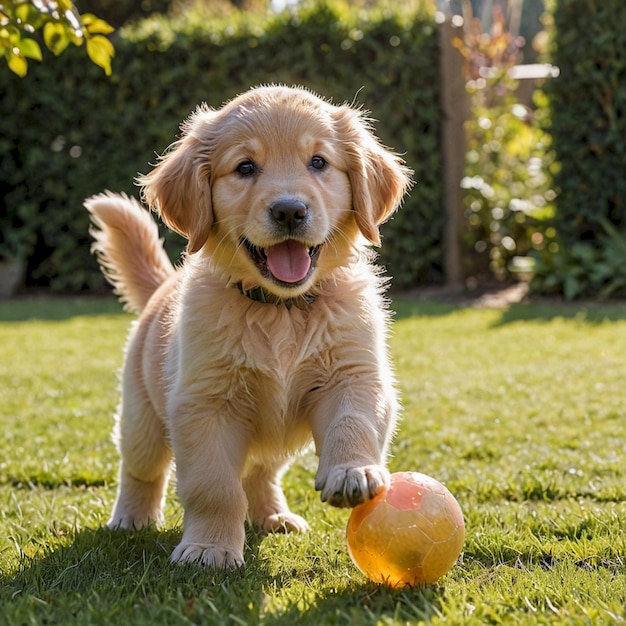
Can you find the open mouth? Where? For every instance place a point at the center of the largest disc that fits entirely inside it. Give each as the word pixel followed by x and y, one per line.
pixel 288 263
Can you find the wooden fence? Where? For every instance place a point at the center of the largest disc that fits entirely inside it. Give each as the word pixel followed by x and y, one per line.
pixel 456 111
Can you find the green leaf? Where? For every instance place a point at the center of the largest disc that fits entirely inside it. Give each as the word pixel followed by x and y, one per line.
pixel 101 51
pixel 26 13
pixel 29 48
pixel 56 37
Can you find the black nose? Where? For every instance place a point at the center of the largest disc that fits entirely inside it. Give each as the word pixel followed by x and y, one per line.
pixel 289 213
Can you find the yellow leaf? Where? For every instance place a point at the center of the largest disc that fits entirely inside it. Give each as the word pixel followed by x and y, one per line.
pixel 10 35
pixel 100 51
pixel 55 37
pixel 17 64
pixel 94 25
pixel 65 5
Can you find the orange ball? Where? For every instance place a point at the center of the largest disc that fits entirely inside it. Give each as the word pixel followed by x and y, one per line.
pixel 409 534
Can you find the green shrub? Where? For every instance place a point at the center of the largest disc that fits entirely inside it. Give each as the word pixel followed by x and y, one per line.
pixel 588 128
pixel 583 270
pixel 507 185
pixel 508 190
pixel 69 132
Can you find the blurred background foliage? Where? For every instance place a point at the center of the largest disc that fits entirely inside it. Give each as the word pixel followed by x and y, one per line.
pixel 508 191
pixel 586 256
pixel 545 178
pixel 544 188
pixel 69 132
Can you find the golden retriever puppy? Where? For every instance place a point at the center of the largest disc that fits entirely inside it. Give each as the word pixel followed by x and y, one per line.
pixel 272 330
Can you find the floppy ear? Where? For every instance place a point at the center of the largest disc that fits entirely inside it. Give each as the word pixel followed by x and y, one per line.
pixel 378 177
pixel 178 189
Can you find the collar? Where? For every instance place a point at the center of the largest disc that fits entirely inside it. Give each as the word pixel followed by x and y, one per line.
pixel 258 294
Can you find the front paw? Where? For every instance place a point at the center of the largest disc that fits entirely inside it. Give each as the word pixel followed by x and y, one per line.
pixel 219 557
pixel 347 486
pixel 286 522
pixel 130 521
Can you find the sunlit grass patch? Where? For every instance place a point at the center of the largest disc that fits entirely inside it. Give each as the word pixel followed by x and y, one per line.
pixel 519 411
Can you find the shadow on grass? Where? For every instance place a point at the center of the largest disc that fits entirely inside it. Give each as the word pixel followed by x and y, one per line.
pixel 365 604
pixel 109 577
pixel 528 311
pixel 47 308
pixel 50 308
pixel 404 308
pixel 585 312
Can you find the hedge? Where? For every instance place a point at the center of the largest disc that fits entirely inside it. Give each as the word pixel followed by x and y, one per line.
pixel 587 121
pixel 68 131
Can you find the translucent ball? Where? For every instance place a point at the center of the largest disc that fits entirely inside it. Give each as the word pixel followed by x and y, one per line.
pixel 412 533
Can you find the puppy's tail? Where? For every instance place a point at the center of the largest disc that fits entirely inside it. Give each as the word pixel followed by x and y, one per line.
pixel 128 248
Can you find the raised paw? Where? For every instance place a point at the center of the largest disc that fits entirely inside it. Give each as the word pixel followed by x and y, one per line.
pixel 219 557
pixel 346 486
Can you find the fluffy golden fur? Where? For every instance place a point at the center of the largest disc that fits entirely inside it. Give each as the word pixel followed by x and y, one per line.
pixel 273 330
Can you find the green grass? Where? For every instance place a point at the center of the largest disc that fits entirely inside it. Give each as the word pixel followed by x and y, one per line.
pixel 521 412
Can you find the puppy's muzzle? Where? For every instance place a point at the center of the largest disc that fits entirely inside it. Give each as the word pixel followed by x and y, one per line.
pixel 289 214
pixel 290 261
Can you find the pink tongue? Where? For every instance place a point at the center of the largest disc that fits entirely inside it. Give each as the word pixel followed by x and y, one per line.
pixel 288 261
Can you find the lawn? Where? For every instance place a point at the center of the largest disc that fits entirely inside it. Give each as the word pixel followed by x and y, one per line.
pixel 521 412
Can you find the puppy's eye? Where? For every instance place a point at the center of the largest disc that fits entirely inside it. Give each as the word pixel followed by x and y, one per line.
pixel 246 168
pixel 318 163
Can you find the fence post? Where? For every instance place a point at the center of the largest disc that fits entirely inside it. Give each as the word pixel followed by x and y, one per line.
pixel 455 110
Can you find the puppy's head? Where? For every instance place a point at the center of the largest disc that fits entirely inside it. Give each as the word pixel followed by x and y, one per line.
pixel 277 187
